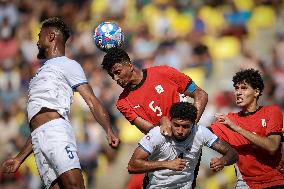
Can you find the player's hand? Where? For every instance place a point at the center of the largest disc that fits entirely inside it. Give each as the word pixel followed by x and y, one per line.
pixel 113 140
pixel 177 164
pixel 10 165
pixel 217 164
pixel 165 128
pixel 222 118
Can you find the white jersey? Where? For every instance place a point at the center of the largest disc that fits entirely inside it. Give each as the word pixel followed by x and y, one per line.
pixel 52 86
pixel 163 148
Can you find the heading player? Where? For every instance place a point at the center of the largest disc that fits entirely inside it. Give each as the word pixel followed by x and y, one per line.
pixel 50 95
pixel 149 93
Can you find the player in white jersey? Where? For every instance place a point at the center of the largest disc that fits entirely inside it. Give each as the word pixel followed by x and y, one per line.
pixel 170 161
pixel 50 96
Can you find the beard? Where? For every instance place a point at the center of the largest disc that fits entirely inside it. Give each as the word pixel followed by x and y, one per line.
pixel 41 54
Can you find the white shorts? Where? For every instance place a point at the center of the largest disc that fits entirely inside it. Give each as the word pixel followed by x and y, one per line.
pixel 55 149
pixel 240 183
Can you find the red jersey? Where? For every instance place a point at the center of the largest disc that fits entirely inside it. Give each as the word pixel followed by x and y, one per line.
pixel 257 166
pixel 160 87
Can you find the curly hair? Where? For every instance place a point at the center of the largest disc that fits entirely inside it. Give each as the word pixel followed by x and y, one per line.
pixel 59 24
pixel 184 111
pixel 251 77
pixel 113 56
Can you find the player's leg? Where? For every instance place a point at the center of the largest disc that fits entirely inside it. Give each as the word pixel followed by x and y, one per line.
pixel 55 150
pixel 72 179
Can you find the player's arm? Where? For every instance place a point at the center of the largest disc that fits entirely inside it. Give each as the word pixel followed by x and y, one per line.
pixel 12 165
pixel 129 113
pixel 99 112
pixel 269 143
pixel 200 98
pixel 139 163
pixel 230 155
pixel 143 125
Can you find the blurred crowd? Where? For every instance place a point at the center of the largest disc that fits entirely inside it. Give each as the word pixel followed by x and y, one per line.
pixel 207 39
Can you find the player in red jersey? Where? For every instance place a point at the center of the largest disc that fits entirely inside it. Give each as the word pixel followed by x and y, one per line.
pixel 148 94
pixel 255 132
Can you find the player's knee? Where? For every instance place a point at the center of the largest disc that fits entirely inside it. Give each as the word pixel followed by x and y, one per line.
pixel 74 185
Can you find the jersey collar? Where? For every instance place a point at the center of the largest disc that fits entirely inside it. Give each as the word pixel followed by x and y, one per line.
pixel 243 114
pixel 142 81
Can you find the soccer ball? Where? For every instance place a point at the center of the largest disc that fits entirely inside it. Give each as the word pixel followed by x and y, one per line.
pixel 108 35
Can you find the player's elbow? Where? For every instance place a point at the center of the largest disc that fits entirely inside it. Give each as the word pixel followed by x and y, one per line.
pixel 233 157
pixel 273 147
pixel 236 156
pixel 204 95
pixel 272 150
pixel 130 168
pixel 201 96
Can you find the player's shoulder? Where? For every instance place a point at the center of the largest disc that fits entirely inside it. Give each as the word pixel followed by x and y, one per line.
pixel 157 69
pixel 234 114
pixel 63 61
pixel 199 128
pixel 272 107
pixel 155 135
pixel 70 61
pixel 155 131
pixel 123 95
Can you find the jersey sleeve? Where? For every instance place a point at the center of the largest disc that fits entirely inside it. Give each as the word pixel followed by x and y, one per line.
pixel 74 74
pixel 275 122
pixel 126 110
pixel 208 137
pixel 180 79
pixel 219 130
pixel 150 141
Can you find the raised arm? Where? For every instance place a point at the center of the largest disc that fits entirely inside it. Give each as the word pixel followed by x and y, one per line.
pixel 139 163
pixel 200 100
pixel 12 165
pixel 230 155
pixel 99 112
pixel 269 143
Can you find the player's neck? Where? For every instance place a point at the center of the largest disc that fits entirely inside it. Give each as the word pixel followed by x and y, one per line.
pixel 56 52
pixel 137 78
pixel 253 107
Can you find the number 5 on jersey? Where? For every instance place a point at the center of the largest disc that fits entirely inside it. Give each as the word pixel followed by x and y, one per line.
pixel 156 109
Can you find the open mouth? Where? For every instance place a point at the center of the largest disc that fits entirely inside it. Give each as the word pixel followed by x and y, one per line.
pixel 239 100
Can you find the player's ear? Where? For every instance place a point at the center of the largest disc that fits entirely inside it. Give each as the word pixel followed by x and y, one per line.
pixel 51 36
pixel 131 67
pixel 256 92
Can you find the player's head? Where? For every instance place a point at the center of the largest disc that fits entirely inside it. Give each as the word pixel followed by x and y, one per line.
pixel 248 86
pixel 53 31
pixel 118 65
pixel 183 116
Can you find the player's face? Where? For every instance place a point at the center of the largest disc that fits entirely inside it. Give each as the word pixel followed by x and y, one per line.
pixel 41 44
pixel 181 128
pixel 245 95
pixel 122 74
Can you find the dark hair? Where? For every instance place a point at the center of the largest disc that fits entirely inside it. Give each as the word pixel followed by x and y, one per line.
pixel 59 24
pixel 200 49
pixel 251 77
pixel 113 56
pixel 184 111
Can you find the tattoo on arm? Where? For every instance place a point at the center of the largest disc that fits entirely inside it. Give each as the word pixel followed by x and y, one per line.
pixel 230 155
